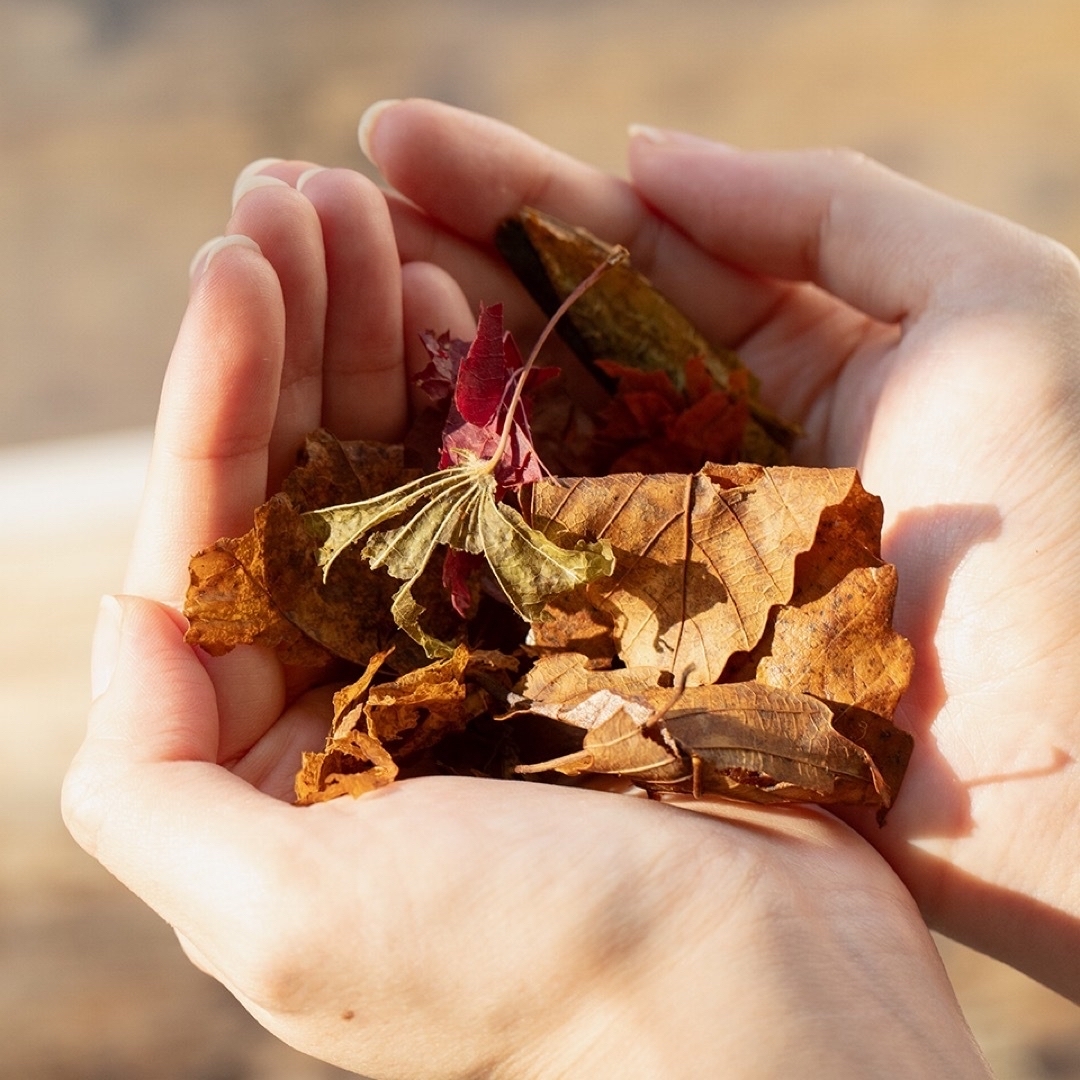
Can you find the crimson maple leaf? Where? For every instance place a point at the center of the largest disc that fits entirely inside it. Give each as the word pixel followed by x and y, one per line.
pixel 479 379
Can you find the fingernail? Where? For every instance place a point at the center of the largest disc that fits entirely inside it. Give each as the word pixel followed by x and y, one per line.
pixel 367 124
pixel 674 139
pixel 105 650
pixel 253 169
pixel 206 253
pixel 251 183
pixel 304 177
pixel 649 134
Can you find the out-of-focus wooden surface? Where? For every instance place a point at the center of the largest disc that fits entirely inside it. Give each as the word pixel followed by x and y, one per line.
pixel 122 125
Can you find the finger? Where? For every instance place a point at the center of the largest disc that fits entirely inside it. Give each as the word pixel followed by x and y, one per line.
pixel 363 381
pixel 286 227
pixel 271 762
pixel 468 173
pixel 483 276
pixel 287 171
pixel 876 240
pixel 479 170
pixel 209 464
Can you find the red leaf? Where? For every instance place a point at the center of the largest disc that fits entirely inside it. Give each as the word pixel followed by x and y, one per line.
pixel 484 374
pixel 482 377
pixel 438 378
pixel 459 569
pixel 653 427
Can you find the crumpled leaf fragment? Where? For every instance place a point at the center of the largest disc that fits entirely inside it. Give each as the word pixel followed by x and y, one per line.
pixel 379 727
pixel 560 680
pixel 416 709
pixel 457 508
pixel 355 765
pixel 618 741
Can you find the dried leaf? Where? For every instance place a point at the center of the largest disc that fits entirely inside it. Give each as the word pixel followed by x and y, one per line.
pixel 266 587
pixel 457 508
pixel 564 679
pixel 478 380
pixel 416 709
pixel 767 745
pixel 700 559
pixel 349 700
pixel 618 741
pixel 623 317
pixel 228 604
pixel 732 740
pixel 380 726
pixel 835 640
pixel 650 427
pixel 354 766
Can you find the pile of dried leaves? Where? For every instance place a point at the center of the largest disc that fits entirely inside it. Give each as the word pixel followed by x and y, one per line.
pixel 676 608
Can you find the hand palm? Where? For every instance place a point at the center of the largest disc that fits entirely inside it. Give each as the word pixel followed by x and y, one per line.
pixel 922 341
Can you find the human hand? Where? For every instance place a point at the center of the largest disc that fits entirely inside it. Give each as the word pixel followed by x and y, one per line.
pixel 931 345
pixel 444 926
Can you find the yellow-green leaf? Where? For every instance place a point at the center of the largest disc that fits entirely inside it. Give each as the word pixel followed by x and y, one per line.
pixel 456 508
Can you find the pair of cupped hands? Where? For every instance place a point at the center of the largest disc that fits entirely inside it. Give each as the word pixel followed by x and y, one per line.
pixel 452 927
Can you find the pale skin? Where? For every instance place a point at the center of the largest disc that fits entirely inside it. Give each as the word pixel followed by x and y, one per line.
pixel 447 927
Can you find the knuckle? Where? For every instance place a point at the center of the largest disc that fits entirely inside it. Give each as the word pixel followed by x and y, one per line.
pixel 269 959
pixel 83 804
pixel 273 979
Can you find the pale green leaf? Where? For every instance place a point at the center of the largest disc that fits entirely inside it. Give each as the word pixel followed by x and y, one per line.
pixel 351 522
pixel 457 508
pixel 530 567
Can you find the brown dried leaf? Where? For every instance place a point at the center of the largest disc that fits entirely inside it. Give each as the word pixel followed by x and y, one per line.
pixel 418 708
pixel 620 741
pixel 266 587
pixel 760 744
pixel 349 700
pixel 353 766
pixel 330 471
pixel 381 724
pixel 732 740
pixel 835 638
pixel 563 679
pixel 228 604
pixel 700 559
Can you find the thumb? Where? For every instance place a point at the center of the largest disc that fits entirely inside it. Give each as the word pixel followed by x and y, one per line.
pixel 869 236
pixel 144 794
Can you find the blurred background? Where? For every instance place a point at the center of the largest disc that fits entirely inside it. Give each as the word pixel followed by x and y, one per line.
pixel 122 126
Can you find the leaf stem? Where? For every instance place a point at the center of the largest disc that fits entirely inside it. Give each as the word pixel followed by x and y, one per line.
pixel 618 254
